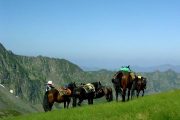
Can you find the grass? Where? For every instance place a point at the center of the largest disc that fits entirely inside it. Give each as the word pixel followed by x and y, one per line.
pixel 164 106
pixel 5 113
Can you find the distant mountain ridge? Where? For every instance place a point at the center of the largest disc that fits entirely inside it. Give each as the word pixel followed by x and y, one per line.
pixel 161 68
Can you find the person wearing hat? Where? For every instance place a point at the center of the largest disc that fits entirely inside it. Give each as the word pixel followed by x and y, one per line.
pixel 49 86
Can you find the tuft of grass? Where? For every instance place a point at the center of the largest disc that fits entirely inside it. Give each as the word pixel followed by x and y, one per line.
pixel 162 106
pixel 7 113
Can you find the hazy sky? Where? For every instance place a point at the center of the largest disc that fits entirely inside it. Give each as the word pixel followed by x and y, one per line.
pixel 94 33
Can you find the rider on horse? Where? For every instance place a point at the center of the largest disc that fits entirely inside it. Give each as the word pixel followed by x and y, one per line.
pixel 49 85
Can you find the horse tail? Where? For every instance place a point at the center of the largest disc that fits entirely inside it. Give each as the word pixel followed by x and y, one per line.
pixel 45 102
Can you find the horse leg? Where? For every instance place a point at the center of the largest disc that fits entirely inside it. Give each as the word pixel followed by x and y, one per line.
pixel 68 101
pixel 116 95
pixel 89 102
pixel 64 104
pixel 80 101
pixel 123 95
pixel 107 97
pixel 128 94
pixel 143 93
pixel 111 96
pixel 138 93
pixel 132 94
pixel 132 90
pixel 74 101
pixel 92 100
pixel 50 106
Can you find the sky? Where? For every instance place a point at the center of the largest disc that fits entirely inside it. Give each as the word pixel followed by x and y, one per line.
pixel 94 33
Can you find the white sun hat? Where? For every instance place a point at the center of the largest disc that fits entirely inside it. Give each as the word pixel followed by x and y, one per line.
pixel 50 83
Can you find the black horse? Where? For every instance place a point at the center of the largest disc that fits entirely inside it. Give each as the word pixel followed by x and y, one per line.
pixel 104 91
pixel 79 92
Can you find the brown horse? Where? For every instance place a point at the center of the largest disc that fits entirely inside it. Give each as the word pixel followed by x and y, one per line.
pixel 55 95
pixel 123 81
pixel 140 85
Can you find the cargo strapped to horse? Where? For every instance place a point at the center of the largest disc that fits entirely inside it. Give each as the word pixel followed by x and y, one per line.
pixel 139 77
pixel 132 74
pixel 64 91
pixel 125 69
pixel 89 88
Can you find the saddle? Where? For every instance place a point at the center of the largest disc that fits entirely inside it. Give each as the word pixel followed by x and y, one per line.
pixel 64 91
pixel 89 88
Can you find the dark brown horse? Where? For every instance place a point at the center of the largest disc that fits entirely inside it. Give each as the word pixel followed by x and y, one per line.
pixel 104 91
pixel 54 95
pixel 140 85
pixel 79 92
pixel 123 81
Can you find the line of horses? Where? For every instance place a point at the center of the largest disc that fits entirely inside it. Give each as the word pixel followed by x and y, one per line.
pixel 121 82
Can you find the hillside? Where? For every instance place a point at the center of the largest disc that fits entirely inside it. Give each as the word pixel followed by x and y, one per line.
pixel 12 105
pixel 153 107
pixel 27 75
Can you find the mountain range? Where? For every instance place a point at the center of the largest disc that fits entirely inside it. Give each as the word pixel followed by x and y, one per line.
pixel 161 68
pixel 27 76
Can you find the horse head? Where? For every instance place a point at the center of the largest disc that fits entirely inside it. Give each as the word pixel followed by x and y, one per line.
pixel 71 86
pixel 117 77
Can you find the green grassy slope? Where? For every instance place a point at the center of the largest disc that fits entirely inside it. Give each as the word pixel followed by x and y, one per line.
pixel 157 107
pixel 13 106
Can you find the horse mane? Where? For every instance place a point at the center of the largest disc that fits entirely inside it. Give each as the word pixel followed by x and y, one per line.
pixel 71 86
pixel 118 75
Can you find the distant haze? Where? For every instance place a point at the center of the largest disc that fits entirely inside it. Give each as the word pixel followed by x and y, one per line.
pixel 94 34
